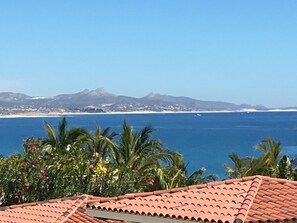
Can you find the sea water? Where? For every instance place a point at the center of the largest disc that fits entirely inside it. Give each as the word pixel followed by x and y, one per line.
pixel 204 139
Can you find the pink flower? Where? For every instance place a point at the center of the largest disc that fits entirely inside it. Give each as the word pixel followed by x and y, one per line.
pixel 42 171
pixel 27 185
pixel 38 158
pixel 34 166
pixel 151 183
pixel 17 197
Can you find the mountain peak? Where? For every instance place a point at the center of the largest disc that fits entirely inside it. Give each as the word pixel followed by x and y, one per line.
pixel 97 92
pixel 152 95
pixel 101 91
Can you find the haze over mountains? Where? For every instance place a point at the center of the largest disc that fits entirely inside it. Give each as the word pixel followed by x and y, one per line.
pixel 100 100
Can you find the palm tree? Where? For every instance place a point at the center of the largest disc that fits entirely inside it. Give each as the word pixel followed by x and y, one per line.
pixel 138 150
pixel 266 164
pixel 176 175
pixel 100 142
pixel 65 138
pixel 241 166
pixel 67 161
pixel 197 178
pixel 245 166
pixel 271 152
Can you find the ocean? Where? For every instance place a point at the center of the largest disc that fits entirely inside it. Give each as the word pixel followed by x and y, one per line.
pixel 204 139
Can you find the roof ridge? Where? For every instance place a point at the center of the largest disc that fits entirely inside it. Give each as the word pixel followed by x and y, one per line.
pixel 249 198
pixel 83 198
pixel 35 203
pixel 172 190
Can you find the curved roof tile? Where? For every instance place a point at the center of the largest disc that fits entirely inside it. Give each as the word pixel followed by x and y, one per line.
pixel 248 199
pixel 65 210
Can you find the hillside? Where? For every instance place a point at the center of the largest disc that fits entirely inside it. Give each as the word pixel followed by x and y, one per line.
pixel 100 100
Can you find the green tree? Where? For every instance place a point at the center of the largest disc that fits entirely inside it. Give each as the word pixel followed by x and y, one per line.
pixel 140 157
pixel 24 178
pixel 64 139
pixel 67 160
pixel 176 175
pixel 244 166
pixel 266 164
pixel 138 150
pixel 100 143
pixel 69 173
pixel 285 168
pixel 271 152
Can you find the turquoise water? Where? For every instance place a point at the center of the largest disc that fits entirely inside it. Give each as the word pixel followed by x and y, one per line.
pixel 205 140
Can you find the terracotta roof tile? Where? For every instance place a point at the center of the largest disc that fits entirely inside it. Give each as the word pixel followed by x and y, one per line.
pixel 66 210
pixel 249 199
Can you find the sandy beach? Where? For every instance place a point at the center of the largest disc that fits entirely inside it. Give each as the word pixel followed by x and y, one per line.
pixel 61 114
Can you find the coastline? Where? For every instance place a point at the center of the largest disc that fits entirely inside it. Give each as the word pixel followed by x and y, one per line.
pixel 61 114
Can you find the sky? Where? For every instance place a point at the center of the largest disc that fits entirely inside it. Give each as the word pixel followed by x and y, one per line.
pixel 219 50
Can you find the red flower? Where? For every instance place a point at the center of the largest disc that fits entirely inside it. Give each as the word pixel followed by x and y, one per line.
pixel 17 197
pixel 27 185
pixel 34 166
pixel 42 171
pixel 151 183
pixel 134 181
pixel 38 158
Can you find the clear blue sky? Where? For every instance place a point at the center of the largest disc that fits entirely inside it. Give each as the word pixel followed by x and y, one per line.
pixel 234 51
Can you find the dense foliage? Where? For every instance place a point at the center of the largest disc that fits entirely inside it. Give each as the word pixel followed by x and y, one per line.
pixel 271 162
pixel 72 161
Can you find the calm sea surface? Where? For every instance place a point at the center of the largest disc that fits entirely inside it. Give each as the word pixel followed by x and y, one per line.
pixel 205 140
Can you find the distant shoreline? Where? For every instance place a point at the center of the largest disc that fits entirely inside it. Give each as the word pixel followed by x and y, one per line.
pixel 58 114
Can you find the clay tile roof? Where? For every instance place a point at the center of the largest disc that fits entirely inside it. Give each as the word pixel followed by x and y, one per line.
pixel 66 210
pixel 250 199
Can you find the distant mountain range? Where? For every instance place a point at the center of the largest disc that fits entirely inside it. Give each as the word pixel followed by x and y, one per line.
pixel 100 100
